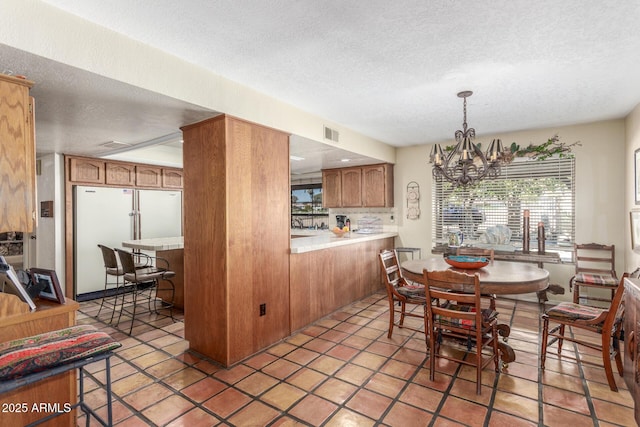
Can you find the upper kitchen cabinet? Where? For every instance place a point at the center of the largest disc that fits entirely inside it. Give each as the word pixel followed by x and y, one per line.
pixel 172 178
pixel 120 174
pixel 114 173
pixel 17 156
pixel 351 187
pixel 148 176
pixel 365 186
pixel 331 188
pixel 377 185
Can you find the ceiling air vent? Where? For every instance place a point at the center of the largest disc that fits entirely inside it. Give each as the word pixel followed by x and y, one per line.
pixel 115 144
pixel 331 134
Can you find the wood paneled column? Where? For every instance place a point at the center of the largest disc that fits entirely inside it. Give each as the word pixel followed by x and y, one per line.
pixel 236 237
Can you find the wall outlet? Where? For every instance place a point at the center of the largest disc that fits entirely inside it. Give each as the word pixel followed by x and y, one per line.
pixel 263 309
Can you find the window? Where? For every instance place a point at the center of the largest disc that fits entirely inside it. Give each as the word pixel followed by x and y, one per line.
pixel 306 207
pixel 545 187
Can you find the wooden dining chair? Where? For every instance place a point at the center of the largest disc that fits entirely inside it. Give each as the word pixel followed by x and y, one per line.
pixel 596 269
pixel 400 292
pixel 458 319
pixel 481 252
pixel 605 322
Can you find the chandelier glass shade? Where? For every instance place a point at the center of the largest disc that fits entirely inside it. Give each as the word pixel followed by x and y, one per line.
pixel 466 164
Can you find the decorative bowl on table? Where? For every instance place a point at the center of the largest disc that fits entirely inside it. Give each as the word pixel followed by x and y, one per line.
pixel 466 262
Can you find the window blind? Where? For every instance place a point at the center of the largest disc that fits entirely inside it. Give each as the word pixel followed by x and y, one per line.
pixel 545 187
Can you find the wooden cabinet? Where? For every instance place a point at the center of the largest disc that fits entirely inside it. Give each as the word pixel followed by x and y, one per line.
pixel 91 171
pixel 366 186
pixel 148 176
pixel 351 187
pixel 324 280
pixel 172 178
pixel 120 174
pixel 17 156
pixel 87 171
pixel 631 342
pixel 236 237
pixel 377 186
pixel 331 188
pixel 60 388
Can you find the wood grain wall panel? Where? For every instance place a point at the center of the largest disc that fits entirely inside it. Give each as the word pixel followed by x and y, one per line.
pixel 323 281
pixel 250 222
pixel 204 152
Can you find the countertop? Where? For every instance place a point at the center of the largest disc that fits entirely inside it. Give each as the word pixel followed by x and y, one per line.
pixel 309 241
pixel 326 239
pixel 157 244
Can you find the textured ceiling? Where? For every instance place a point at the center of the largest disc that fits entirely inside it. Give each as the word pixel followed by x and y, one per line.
pixel 391 70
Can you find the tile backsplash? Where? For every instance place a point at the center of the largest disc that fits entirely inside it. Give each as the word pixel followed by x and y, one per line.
pixel 388 216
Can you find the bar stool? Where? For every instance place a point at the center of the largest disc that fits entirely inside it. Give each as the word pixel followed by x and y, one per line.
pixel 144 280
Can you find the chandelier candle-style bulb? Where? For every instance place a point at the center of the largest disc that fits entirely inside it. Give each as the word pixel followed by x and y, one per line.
pixel 494 153
pixel 437 156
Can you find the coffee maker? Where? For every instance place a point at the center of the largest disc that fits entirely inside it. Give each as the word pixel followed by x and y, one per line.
pixel 340 219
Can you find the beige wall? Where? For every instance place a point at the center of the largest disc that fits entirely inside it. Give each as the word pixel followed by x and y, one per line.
pixel 632 130
pixel 600 194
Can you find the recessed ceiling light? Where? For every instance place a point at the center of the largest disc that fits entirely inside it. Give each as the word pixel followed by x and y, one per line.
pixel 345 160
pixel 296 158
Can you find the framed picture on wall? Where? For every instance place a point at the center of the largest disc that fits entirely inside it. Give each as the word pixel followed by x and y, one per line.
pixel 636 169
pixel 635 230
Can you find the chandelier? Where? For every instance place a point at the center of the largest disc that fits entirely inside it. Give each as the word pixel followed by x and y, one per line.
pixel 466 164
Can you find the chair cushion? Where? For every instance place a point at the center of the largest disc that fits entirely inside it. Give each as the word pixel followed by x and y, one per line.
pixel 115 271
pixel 37 353
pixel 487 315
pixel 596 279
pixel 415 292
pixel 568 311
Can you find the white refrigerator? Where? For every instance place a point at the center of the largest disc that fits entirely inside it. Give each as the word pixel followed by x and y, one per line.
pixel 108 216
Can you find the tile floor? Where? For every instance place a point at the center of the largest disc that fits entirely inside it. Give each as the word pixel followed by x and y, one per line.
pixel 343 371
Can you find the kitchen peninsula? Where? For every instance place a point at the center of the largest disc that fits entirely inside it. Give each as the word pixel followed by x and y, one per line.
pixel 328 272
pixel 170 249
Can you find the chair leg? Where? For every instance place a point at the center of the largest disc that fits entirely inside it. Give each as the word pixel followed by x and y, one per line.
pixel 545 337
pixel 496 353
pixel 115 300
pixel 606 360
pixel 173 295
pixel 392 315
pixel 616 349
pixel 561 337
pixel 403 308
pixel 135 303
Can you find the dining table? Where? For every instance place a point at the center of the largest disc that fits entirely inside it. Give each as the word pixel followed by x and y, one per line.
pixel 496 278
